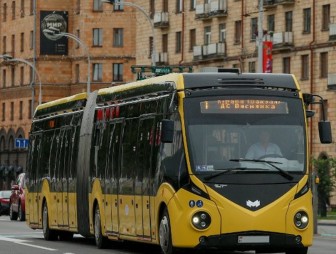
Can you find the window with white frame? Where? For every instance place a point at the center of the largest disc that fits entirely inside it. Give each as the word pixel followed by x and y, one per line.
pixel 97 72
pixel 222 32
pixel 97 36
pixel 207 35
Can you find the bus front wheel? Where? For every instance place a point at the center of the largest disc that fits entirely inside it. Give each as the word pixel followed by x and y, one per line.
pixel 165 234
pixel 100 240
pixel 48 233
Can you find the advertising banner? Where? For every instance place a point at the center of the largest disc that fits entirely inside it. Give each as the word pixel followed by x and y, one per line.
pixel 267 57
pixel 52 24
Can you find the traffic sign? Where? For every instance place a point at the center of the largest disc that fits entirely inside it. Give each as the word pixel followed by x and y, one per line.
pixel 21 143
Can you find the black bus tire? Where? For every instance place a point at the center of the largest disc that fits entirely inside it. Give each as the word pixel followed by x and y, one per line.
pixel 49 234
pixel 100 240
pixel 165 234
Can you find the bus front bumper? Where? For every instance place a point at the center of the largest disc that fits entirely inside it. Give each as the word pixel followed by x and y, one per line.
pixel 253 240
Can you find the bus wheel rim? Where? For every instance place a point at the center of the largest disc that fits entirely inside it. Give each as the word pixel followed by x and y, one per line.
pixel 164 234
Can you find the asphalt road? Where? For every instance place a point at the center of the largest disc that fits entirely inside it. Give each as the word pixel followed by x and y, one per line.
pixel 17 238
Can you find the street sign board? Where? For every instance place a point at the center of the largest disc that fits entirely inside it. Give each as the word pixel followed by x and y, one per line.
pixel 21 143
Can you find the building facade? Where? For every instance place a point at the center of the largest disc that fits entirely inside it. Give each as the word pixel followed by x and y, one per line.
pixel 99 40
pixel 223 34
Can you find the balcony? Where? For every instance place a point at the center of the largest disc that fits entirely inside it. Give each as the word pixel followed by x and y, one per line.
pixel 161 58
pixel 268 4
pixel 332 81
pixel 212 51
pixel 161 19
pixel 332 32
pixel 285 2
pixel 215 8
pixel 283 41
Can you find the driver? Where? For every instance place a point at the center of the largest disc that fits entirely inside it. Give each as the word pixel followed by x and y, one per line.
pixel 263 147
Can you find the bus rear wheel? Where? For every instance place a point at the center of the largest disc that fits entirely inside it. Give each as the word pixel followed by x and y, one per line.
pixel 303 250
pixel 165 234
pixel 100 240
pixel 48 233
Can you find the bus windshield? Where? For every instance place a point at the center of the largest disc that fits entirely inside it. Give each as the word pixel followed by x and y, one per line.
pixel 246 134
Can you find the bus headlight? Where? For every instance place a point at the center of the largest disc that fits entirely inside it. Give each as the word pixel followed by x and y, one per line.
pixel 301 219
pixel 201 220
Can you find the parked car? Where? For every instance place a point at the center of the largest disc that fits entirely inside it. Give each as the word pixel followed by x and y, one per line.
pixel 17 199
pixel 4 201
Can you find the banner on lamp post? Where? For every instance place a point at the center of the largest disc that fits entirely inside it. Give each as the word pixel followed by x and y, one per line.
pixel 267 57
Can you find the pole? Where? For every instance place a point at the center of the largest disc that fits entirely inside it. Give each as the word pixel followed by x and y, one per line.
pixel 260 36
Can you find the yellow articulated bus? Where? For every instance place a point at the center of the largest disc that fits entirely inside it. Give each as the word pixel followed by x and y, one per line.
pixel 188 160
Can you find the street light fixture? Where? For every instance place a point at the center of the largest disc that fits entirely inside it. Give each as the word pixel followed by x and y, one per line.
pixel 119 2
pixel 9 58
pixel 57 34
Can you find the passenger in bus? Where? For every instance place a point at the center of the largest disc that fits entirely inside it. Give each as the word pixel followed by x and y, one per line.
pixel 263 148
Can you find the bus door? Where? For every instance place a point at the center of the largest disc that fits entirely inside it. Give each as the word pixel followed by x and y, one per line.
pixel 111 187
pixel 127 157
pixel 33 173
pixel 145 140
pixel 62 174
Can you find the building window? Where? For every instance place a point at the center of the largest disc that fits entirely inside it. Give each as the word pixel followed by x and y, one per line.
pixel 22 8
pixel 30 109
pixel 151 8
pixel 13 10
pixel 289 21
pixel 237 35
pixel 118 37
pixel 165 6
pixel 222 32
pixel 31 40
pixel 151 43
pixel 4 44
pixel 286 68
pixel 178 43
pixel 325 16
pixel 97 5
pixel 21 111
pixel 118 70
pixel 207 35
pixel 252 67
pixel 254 28
pixel 13 45
pixel 192 40
pixel 324 64
pixel 118 6
pixel 304 67
pixel 31 7
pixel 306 20
pixel 22 75
pixel 192 5
pixel 78 36
pixel 22 42
pixel 271 22
pixel 3 111
pixel 12 111
pixel 77 73
pixel 13 76
pixel 97 37
pixel 179 6
pixel 165 43
pixel 4 78
pixel 4 11
pixel 97 72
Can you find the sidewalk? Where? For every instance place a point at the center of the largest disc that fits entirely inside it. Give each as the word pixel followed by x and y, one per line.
pixel 326 228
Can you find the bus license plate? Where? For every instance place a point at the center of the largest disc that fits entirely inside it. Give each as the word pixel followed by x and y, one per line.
pixel 254 239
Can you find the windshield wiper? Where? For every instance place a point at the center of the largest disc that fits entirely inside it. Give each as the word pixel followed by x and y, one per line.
pixel 271 163
pixel 221 173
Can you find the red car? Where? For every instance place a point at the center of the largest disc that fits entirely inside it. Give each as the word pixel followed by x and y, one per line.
pixel 17 199
pixel 4 201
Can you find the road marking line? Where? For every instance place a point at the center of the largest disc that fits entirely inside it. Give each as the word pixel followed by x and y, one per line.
pixel 24 242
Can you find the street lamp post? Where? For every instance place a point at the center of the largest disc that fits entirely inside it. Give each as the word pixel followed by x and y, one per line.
pixel 116 2
pixel 55 32
pixel 8 58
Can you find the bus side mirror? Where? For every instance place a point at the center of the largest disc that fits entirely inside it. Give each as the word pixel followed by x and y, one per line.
pixel 167 133
pixel 325 132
